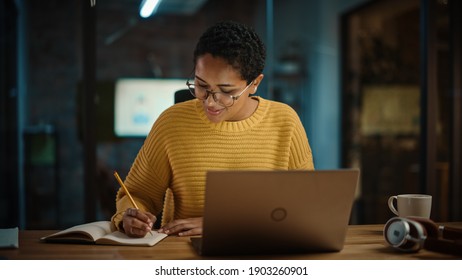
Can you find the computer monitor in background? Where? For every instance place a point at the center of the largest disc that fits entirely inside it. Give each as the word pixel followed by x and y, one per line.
pixel 139 102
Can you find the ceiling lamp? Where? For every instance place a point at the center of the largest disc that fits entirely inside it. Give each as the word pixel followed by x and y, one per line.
pixel 148 7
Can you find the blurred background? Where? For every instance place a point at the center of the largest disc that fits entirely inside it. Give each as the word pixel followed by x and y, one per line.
pixel 377 85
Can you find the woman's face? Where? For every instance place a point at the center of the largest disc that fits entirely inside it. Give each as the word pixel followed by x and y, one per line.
pixel 216 75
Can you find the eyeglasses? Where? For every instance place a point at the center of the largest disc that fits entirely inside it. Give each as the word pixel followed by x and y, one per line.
pixel 221 98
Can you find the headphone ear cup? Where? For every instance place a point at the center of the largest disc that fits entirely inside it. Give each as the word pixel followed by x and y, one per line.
pixel 430 226
pixel 404 234
pixel 410 234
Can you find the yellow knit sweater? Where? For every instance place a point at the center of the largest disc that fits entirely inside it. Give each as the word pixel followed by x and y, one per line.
pixel 183 144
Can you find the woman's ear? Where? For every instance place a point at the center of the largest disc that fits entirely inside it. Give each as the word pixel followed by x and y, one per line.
pixel 256 82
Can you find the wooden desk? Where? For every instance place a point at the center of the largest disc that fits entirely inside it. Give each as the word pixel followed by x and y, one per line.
pixel 363 242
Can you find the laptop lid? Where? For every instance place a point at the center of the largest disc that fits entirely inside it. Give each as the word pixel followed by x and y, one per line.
pixel 268 212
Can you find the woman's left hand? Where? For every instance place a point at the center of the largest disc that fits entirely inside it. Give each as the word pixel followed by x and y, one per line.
pixel 183 227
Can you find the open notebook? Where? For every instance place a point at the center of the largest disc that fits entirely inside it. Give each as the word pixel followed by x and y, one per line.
pixel 262 212
pixel 102 233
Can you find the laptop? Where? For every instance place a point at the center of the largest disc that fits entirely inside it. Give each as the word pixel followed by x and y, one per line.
pixel 275 212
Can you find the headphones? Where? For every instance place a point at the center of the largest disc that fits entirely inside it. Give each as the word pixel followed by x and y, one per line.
pixel 411 234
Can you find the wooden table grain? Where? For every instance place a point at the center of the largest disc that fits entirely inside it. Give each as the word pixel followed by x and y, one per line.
pixel 363 242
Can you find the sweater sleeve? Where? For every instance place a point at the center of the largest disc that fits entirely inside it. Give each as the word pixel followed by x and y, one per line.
pixel 301 156
pixel 148 178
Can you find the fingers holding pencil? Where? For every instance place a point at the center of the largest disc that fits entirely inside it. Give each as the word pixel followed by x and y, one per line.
pixel 137 223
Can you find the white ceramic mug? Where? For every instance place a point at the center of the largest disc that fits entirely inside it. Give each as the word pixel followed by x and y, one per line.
pixel 417 205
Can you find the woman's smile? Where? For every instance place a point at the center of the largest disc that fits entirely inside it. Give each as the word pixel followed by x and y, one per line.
pixel 213 111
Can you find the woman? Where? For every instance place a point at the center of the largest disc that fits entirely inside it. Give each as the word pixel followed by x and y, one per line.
pixel 225 127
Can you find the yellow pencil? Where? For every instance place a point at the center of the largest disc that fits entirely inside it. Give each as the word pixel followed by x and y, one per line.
pixel 126 191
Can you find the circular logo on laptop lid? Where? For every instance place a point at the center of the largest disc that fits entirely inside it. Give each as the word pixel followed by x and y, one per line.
pixel 278 214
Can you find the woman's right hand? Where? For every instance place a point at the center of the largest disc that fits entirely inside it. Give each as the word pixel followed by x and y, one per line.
pixel 137 223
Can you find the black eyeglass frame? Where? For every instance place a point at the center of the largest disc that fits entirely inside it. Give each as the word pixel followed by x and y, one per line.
pixel 192 89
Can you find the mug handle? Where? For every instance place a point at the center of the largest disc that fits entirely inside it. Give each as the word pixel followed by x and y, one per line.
pixel 391 206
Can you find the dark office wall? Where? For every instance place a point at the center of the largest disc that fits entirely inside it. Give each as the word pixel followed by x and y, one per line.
pixel 9 206
pixel 54 167
pixel 311 31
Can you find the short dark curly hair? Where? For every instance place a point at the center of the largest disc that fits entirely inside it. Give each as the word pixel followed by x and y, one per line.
pixel 238 44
